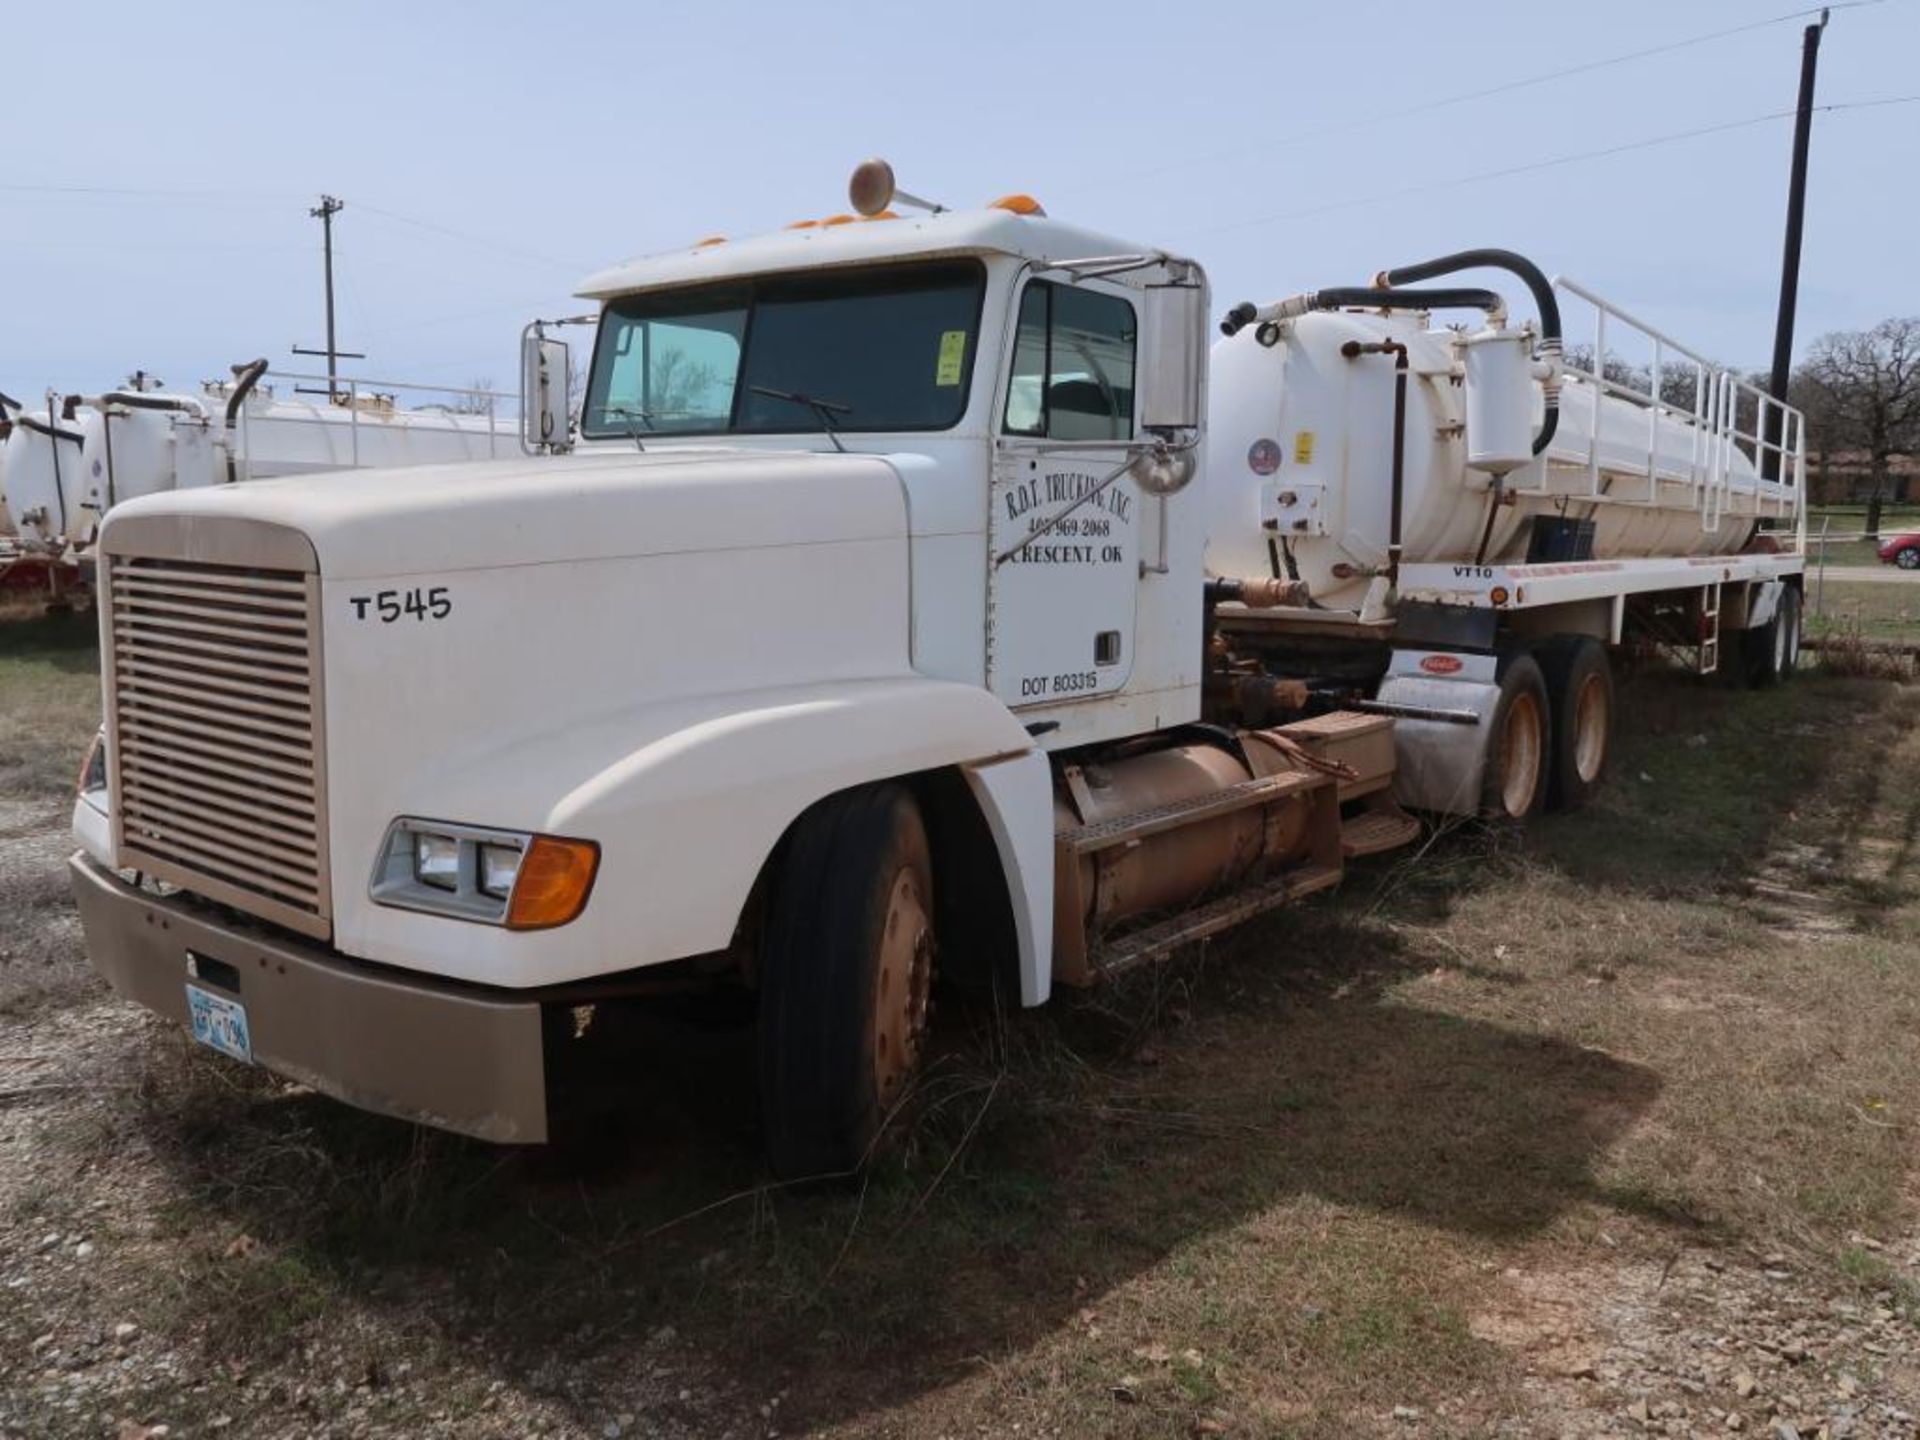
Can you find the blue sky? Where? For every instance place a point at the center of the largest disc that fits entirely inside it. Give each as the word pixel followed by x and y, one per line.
pixel 491 155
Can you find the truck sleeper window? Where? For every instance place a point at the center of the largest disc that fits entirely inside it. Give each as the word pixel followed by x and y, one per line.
pixel 881 349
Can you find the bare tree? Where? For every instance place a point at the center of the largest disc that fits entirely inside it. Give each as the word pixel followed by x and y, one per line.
pixel 1865 386
pixel 474 404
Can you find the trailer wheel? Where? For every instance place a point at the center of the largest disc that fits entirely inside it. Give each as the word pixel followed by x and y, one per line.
pixel 846 975
pixel 1580 687
pixel 1762 649
pixel 1514 785
pixel 1788 621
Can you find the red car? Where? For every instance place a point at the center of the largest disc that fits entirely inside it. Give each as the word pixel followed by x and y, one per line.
pixel 1901 550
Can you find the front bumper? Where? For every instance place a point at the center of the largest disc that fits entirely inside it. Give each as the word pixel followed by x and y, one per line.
pixel 440 1054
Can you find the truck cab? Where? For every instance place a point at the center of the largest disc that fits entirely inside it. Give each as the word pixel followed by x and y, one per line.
pixel 861 520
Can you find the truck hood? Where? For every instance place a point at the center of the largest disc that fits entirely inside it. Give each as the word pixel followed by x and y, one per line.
pixel 364 524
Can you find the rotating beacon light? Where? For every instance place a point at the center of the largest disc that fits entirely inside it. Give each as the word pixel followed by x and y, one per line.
pixel 872 189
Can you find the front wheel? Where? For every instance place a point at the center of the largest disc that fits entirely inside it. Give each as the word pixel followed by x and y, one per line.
pixel 846 979
pixel 1908 557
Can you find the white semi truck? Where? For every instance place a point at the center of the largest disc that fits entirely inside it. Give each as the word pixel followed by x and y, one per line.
pixel 905 602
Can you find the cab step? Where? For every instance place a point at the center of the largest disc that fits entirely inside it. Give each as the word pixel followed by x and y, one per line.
pixel 1372 832
pixel 1211 918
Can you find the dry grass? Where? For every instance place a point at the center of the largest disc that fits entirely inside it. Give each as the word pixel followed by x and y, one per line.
pixel 1267 1186
pixel 49 703
pixel 49 711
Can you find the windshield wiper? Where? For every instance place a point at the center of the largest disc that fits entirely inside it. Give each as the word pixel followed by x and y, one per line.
pixel 644 417
pixel 824 410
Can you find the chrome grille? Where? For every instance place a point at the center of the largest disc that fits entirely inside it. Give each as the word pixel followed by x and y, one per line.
pixel 214 733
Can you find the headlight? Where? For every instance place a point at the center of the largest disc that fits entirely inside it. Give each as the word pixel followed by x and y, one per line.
pixel 495 877
pixel 499 864
pixel 436 860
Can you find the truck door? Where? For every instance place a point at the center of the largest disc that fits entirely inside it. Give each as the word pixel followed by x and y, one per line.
pixel 1064 540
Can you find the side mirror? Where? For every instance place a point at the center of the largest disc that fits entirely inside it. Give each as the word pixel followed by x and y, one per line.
pixel 1173 387
pixel 546 380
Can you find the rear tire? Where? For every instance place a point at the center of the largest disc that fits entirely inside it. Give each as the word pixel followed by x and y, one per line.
pixel 1580 688
pixel 846 974
pixel 1513 787
pixel 1761 649
pixel 1789 622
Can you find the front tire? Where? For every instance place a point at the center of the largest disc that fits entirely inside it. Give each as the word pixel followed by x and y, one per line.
pixel 1513 786
pixel 1907 557
pixel 846 977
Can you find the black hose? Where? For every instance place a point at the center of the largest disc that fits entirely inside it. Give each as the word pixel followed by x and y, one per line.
pixel 1535 280
pixel 1375 298
pixel 245 377
pixel 52 432
pixel 138 400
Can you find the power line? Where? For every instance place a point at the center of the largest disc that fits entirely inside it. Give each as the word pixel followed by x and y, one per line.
pixel 1530 167
pixel 1381 117
pixel 480 240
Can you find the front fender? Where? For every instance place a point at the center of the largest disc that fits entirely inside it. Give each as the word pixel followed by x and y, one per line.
pixel 687 800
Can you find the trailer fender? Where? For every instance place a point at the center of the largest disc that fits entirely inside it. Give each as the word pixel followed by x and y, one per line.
pixel 1438 764
pixel 1763 602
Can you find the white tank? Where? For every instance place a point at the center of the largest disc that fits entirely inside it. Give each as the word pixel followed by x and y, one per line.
pixel 154 442
pixel 294 435
pixel 1300 452
pixel 42 468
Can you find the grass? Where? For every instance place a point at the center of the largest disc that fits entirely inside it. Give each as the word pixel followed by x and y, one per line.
pixel 49 703
pixel 1872 609
pixel 49 712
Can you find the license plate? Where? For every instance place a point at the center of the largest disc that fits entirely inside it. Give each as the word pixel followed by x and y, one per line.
pixel 219 1023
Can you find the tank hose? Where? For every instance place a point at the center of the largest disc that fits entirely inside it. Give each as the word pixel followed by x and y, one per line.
pixel 1543 298
pixel 1375 297
pixel 245 377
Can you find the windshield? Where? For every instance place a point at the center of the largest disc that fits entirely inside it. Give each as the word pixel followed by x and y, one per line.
pixel 884 349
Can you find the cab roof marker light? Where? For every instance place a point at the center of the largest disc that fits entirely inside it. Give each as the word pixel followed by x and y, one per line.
pixel 1019 204
pixel 710 240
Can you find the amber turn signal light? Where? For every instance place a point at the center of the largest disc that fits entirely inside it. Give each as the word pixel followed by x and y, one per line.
pixel 555 878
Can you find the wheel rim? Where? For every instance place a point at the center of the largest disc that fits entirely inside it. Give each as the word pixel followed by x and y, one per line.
pixel 1790 622
pixel 903 985
pixel 1520 755
pixel 1590 724
pixel 1780 644
pixel 1908 559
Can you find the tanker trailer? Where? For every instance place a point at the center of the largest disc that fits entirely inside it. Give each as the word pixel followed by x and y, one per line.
pixel 1305 447
pixel 41 469
pixel 1479 519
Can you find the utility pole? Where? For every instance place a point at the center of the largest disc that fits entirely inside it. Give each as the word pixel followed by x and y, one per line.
pixel 324 213
pixel 1796 216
